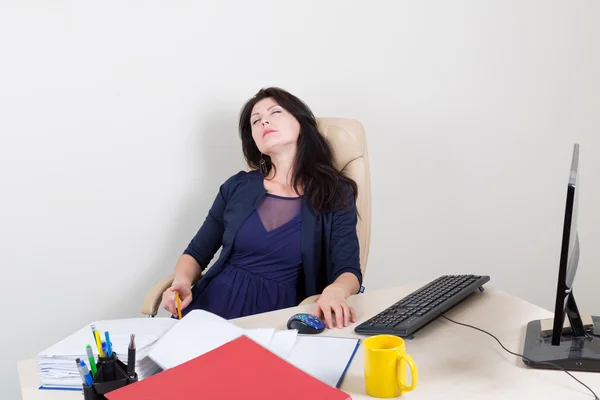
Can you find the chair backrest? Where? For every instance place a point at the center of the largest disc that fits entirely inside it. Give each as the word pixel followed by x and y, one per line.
pixel 349 144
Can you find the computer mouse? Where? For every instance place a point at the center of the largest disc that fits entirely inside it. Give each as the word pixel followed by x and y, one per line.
pixel 306 323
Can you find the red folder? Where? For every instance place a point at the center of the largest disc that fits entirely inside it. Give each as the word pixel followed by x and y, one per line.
pixel 239 369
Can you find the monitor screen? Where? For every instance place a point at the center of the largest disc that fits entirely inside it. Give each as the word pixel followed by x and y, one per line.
pixel 569 256
pixel 573 252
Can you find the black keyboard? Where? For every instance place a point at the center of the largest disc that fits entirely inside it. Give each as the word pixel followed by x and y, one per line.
pixel 422 306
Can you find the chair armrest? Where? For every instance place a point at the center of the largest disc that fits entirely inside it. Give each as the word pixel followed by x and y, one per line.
pixel 310 300
pixel 154 296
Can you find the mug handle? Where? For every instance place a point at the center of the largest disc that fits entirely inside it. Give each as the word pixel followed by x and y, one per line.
pixel 413 372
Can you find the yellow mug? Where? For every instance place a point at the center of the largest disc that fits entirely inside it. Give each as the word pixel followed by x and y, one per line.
pixel 385 367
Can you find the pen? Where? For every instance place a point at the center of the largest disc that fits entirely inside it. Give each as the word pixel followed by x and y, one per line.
pixel 93 331
pixel 86 373
pixel 104 349
pixel 99 343
pixel 92 360
pixel 77 360
pixel 131 357
pixel 178 305
pixel 108 344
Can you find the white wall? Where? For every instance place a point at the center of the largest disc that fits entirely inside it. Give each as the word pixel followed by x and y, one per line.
pixel 118 123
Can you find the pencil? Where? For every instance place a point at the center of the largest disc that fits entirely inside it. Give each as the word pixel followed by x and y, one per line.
pixel 99 343
pixel 178 305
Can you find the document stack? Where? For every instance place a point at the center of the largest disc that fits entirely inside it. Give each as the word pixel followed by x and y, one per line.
pixel 56 365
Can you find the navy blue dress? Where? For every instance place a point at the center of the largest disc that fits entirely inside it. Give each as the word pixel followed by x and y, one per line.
pixel 263 271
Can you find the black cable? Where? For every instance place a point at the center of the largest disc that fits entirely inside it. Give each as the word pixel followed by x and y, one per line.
pixel 522 356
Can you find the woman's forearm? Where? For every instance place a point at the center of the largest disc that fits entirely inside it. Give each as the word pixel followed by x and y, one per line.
pixel 348 282
pixel 187 270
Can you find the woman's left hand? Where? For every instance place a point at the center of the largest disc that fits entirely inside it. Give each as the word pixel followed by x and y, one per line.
pixel 333 301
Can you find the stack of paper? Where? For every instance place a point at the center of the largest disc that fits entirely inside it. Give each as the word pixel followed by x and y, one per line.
pixel 56 365
pixel 324 358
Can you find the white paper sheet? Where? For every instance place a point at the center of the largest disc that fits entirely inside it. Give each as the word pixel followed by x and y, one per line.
pixel 323 357
pixel 283 342
pixel 260 336
pixel 197 333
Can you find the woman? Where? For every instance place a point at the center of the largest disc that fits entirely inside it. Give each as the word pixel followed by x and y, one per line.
pixel 288 227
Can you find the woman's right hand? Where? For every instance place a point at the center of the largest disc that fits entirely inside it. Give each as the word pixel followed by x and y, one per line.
pixel 168 297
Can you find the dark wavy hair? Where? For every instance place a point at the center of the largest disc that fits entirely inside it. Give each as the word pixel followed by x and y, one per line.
pixel 313 167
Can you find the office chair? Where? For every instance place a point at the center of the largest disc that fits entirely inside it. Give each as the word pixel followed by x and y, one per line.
pixel 348 142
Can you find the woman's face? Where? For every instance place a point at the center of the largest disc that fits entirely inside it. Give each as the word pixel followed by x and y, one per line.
pixel 273 128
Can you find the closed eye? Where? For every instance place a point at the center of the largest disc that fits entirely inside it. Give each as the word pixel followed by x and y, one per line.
pixel 255 121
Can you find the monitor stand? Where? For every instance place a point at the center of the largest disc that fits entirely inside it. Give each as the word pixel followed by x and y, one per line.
pixel 577 350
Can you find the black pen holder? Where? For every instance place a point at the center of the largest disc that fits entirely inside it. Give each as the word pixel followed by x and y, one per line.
pixel 111 375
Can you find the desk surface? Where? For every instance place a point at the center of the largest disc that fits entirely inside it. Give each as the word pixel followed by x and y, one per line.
pixel 454 361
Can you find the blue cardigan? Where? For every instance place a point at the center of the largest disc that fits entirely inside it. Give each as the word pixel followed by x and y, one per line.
pixel 329 240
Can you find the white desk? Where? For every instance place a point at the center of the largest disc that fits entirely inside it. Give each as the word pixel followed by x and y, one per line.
pixel 454 362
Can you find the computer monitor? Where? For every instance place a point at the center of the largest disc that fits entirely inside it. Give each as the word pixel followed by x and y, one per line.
pixel 569 260
pixel 572 346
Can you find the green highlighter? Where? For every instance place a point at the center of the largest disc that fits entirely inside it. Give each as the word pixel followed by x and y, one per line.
pixel 91 359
